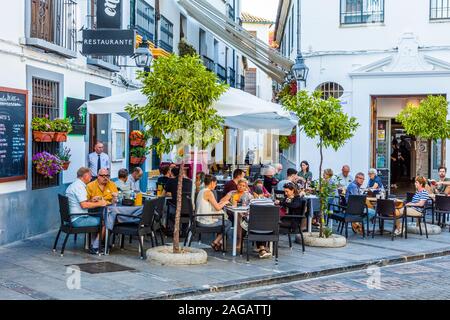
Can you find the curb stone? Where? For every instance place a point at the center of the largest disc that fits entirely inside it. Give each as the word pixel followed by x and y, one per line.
pixel 290 276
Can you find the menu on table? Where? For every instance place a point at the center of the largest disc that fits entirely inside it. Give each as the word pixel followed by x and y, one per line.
pixel 13 134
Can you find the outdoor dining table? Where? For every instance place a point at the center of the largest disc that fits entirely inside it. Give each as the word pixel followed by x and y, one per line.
pixel 236 211
pixel 110 213
pixel 313 205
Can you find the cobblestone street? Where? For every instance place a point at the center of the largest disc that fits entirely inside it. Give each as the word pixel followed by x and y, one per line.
pixel 423 280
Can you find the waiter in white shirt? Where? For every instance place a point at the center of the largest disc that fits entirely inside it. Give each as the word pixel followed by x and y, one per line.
pixel 98 160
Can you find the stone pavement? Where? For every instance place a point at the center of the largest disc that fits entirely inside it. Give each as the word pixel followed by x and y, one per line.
pixel 421 280
pixel 30 270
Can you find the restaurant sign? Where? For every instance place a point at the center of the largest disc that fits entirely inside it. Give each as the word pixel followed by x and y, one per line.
pixel 109 42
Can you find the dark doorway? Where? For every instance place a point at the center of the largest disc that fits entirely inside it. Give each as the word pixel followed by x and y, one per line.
pixel 98 127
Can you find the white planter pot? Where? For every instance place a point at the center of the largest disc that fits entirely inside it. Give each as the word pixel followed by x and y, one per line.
pixel 189 256
pixel 312 240
pixel 431 228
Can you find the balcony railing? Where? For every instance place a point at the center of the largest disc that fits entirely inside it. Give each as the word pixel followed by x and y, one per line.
pixel 209 63
pixel 53 26
pixel 221 72
pixel 362 11
pixel 232 77
pixel 439 9
pixel 144 19
pixel 166 35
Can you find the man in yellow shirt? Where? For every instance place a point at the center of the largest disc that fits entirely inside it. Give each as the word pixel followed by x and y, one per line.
pixel 102 188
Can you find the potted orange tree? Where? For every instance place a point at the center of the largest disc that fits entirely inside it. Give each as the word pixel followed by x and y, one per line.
pixel 43 130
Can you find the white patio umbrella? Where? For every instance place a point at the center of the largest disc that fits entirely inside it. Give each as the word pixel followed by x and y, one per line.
pixel 240 109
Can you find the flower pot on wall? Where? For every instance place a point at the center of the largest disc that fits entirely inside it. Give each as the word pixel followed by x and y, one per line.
pixel 137 142
pixel 60 137
pixel 65 165
pixel 292 138
pixel 41 136
pixel 137 160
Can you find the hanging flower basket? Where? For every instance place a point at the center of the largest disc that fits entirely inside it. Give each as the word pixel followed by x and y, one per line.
pixel 292 138
pixel 41 136
pixel 60 137
pixel 137 160
pixel 138 142
pixel 47 164
pixel 65 165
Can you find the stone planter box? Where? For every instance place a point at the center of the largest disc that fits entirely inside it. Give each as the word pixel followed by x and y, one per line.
pixel 312 240
pixel 431 228
pixel 165 256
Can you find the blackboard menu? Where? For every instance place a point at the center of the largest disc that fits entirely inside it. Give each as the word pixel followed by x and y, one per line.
pixel 76 115
pixel 13 134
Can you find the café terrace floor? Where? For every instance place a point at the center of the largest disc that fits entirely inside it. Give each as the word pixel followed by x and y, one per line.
pixel 30 270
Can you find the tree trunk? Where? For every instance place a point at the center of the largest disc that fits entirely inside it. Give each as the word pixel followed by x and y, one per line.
pixel 320 190
pixel 176 232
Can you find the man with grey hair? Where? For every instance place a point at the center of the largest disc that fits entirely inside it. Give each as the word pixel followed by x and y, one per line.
pixel 344 178
pixel 133 179
pixel 79 203
pixel 121 183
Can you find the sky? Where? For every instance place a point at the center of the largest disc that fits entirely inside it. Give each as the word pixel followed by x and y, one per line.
pixel 261 8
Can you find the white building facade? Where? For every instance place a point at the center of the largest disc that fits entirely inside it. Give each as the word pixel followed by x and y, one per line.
pixel 40 52
pixel 375 56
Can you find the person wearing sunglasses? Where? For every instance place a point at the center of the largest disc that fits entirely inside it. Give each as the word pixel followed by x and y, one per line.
pixel 102 188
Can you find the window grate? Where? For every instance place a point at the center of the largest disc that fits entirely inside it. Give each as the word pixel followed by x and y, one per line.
pixel 45 103
pixel 331 89
pixel 439 9
pixel 362 11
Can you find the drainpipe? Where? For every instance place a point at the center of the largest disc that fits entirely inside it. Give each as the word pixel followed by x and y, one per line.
pixel 157 18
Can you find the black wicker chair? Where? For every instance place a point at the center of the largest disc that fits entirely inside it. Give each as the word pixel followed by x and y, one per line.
pixel 442 209
pixel 289 224
pixel 355 211
pixel 67 226
pixel 385 210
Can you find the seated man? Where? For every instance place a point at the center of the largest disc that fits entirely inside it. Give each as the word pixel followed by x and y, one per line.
pixel 443 184
pixel 354 188
pixel 121 183
pixel 344 178
pixel 133 179
pixel 102 188
pixel 291 177
pixel 79 203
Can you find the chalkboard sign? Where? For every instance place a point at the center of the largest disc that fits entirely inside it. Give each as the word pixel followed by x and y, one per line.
pixel 76 115
pixel 13 134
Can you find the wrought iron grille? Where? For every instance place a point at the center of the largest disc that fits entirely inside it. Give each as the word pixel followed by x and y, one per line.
pixel 166 37
pixel 331 89
pixel 45 103
pixel 439 9
pixel 55 21
pixel 362 11
pixel 221 72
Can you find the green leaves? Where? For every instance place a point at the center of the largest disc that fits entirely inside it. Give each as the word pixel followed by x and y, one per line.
pixel 428 120
pixel 323 119
pixel 181 92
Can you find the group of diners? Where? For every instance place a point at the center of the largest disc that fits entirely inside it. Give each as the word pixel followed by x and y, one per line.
pixel 87 193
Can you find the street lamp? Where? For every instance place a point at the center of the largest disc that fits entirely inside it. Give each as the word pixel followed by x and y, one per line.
pixel 299 69
pixel 143 56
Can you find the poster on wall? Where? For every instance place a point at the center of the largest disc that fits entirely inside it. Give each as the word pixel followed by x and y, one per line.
pixel 13 134
pixel 76 115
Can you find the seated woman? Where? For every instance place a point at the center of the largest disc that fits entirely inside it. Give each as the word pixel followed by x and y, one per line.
pixel 416 207
pixel 292 203
pixel 207 204
pixel 375 184
pixel 259 191
pixel 242 194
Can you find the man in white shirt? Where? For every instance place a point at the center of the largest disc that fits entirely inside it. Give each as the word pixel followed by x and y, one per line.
pixel 133 179
pixel 98 159
pixel 78 203
pixel 344 178
pixel 291 177
pixel 121 183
